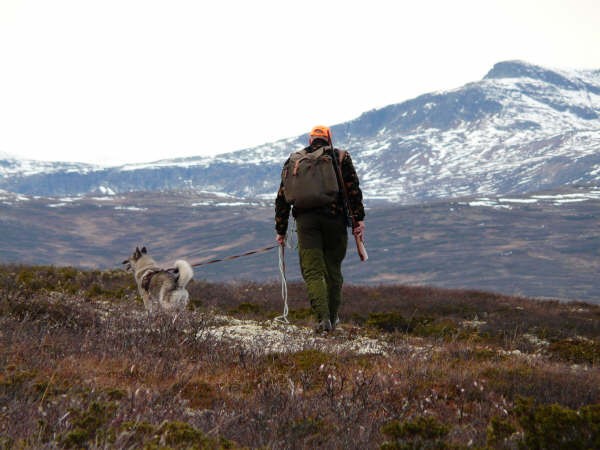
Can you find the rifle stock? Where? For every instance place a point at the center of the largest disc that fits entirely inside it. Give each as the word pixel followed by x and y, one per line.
pixel 360 245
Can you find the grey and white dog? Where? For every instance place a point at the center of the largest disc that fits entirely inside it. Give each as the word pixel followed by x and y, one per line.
pixel 160 288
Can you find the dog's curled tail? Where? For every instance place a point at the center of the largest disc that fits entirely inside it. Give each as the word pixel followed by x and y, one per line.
pixel 186 273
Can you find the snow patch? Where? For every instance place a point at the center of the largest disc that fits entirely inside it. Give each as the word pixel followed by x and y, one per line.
pixel 130 208
pixel 106 190
pixel 517 200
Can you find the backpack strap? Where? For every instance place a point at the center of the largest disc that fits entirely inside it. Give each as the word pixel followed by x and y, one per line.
pixel 341 153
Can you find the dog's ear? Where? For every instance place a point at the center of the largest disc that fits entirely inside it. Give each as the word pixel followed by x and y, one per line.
pixel 137 254
pixel 144 251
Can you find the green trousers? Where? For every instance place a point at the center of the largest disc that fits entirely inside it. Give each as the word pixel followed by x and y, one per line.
pixel 322 242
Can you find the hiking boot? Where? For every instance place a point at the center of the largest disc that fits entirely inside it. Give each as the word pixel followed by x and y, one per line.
pixel 324 326
pixel 335 322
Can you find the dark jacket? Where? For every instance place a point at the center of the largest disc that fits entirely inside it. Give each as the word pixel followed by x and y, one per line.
pixel 357 210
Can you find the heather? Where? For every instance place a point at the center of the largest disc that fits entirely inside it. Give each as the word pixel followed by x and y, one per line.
pixel 82 365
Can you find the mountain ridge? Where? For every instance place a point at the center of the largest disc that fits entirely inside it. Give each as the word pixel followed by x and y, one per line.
pixel 521 128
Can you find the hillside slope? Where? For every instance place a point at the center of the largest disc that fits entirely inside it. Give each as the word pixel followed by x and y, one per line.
pixel 85 367
pixel 543 245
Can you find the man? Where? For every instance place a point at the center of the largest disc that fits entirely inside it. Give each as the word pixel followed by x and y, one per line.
pixel 322 235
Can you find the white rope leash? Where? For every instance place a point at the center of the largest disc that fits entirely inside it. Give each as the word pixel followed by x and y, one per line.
pixel 284 293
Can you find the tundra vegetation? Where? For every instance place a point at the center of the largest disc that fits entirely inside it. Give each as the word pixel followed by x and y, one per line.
pixel 82 365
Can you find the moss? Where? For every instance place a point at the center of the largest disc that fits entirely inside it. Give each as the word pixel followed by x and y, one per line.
pixel 438 329
pixel 89 425
pixel 13 375
pixel 178 433
pixel 15 381
pixel 174 434
pixel 579 351
pixel 485 354
pixel 99 290
pixel 308 360
pixel 94 290
pixel 422 432
pixel 47 388
pixel 305 363
pixel 115 394
pixel 499 432
pixel 68 273
pixel 358 319
pixel 420 326
pixel 139 432
pixel 554 426
pixel 28 277
pixel 75 438
pixel 388 321
pixel 6 443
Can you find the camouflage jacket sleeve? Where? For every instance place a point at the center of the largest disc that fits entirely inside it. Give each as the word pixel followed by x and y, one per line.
pixel 355 197
pixel 282 210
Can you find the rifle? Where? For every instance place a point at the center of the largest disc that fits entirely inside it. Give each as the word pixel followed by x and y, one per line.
pixel 350 219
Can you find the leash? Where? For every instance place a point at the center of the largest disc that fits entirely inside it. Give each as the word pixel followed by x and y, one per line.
pixel 228 258
pixel 284 293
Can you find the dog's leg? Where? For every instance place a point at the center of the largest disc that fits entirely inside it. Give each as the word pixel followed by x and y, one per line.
pixel 148 302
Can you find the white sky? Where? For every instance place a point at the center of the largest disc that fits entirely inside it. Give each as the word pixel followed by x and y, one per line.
pixel 116 81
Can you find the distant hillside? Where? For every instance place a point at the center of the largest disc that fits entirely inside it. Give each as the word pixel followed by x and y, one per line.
pixel 542 245
pixel 521 129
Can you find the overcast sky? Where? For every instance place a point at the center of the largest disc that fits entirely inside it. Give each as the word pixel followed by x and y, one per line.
pixel 116 81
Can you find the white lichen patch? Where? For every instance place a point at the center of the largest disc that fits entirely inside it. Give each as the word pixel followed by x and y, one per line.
pixel 475 323
pixel 535 340
pixel 277 337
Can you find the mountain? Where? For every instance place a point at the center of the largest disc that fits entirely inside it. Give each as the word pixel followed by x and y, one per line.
pixel 522 128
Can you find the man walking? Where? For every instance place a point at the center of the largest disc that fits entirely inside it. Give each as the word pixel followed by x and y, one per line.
pixel 320 220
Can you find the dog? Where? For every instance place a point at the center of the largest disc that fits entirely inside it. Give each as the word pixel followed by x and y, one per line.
pixel 160 288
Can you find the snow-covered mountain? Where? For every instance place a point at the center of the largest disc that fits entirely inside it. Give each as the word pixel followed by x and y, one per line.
pixel 522 128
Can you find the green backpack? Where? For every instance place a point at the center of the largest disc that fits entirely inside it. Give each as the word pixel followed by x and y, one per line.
pixel 309 179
